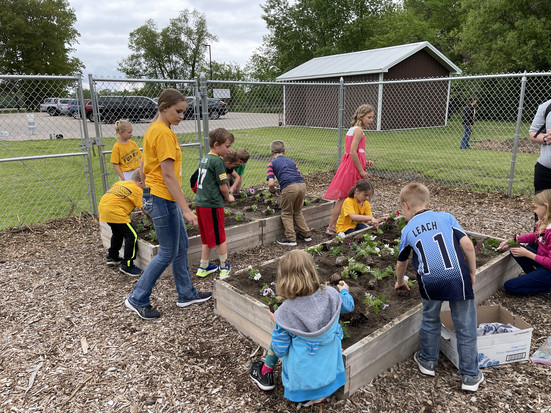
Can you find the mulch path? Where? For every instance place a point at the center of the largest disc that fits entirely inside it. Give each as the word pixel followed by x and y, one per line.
pixel 68 344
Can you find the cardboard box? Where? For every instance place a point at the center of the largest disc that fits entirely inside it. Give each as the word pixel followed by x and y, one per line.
pixel 493 349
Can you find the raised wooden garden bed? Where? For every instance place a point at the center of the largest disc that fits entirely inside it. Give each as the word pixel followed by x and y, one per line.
pixel 375 353
pixel 240 237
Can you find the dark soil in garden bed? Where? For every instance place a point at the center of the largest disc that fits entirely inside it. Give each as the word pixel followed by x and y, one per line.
pixel 332 260
pixel 250 204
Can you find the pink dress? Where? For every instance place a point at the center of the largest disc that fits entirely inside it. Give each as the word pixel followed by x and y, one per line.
pixel 347 175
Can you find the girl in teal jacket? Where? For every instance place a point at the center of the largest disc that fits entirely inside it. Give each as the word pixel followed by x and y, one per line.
pixel 307 334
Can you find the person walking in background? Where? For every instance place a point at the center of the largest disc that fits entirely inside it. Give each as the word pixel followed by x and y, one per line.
pixel 126 156
pixel 353 164
pixel 445 262
pixel 293 191
pixel 165 203
pixel 468 122
pixel 114 208
pixel 307 334
pixel 536 264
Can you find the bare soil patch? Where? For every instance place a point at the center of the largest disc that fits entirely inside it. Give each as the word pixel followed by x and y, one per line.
pixel 371 272
pixel 68 344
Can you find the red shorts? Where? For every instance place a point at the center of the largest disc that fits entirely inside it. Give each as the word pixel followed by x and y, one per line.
pixel 211 225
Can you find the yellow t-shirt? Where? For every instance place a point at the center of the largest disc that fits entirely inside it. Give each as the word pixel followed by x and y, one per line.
pixel 126 155
pixel 159 144
pixel 351 206
pixel 119 201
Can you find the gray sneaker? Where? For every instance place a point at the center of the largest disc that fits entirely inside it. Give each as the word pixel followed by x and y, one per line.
pixel 147 313
pixel 471 383
pixel 199 298
pixel 425 367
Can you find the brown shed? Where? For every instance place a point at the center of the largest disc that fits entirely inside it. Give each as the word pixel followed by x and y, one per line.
pixel 401 105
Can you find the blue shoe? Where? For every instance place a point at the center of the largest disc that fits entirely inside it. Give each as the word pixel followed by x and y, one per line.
pixel 132 271
pixel 203 272
pixel 225 271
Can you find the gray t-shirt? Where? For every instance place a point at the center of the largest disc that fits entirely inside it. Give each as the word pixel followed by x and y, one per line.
pixel 545 150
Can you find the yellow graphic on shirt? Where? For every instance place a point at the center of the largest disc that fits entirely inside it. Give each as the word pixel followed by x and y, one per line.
pixel 223 176
pixel 119 191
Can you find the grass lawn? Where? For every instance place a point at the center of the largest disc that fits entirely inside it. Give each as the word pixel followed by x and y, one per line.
pixel 40 189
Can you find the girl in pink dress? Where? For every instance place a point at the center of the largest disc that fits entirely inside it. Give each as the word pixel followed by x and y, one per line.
pixel 353 163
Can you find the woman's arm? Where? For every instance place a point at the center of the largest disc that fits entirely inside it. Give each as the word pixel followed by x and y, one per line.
pixel 358 134
pixel 173 186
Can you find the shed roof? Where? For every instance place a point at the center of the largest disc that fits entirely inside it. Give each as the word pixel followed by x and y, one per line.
pixel 363 62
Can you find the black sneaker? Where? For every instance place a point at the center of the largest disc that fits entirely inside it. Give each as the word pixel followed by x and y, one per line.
pixel 199 298
pixel 264 382
pixel 147 313
pixel 306 239
pixel 285 241
pixel 132 271
pixel 111 262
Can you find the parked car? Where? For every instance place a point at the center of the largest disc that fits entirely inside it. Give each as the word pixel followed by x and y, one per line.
pixel 216 108
pixel 48 103
pixel 133 108
pixel 74 111
pixel 69 108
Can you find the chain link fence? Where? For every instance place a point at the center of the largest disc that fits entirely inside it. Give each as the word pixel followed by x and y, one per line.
pixel 54 162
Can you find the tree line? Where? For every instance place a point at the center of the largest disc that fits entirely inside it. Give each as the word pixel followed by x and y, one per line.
pixel 498 36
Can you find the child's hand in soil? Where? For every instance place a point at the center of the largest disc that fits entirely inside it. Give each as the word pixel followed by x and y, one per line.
pixel 401 284
pixel 342 286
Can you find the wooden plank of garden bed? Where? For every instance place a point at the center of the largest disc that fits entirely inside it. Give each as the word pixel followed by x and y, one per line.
pixel 316 216
pixel 240 237
pixel 381 350
pixel 247 315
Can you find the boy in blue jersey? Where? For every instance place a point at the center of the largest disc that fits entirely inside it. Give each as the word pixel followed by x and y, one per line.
pixel 445 262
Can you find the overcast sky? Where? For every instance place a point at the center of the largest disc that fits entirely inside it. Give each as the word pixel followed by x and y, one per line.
pixel 105 25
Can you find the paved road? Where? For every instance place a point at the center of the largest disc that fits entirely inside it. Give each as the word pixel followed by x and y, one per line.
pixel 23 126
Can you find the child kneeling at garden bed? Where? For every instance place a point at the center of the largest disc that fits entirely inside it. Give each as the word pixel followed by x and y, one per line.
pixel 309 342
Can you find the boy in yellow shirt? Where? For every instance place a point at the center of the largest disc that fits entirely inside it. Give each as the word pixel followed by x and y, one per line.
pixel 115 207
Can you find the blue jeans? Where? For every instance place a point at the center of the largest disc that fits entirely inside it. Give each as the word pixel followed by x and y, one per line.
pixel 466 138
pixel 464 321
pixel 173 245
pixel 358 227
pixel 536 281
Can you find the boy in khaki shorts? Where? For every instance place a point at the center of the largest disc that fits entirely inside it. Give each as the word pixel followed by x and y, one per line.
pixel 293 190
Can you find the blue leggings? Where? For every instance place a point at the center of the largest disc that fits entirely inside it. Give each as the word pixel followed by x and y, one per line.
pixel 536 281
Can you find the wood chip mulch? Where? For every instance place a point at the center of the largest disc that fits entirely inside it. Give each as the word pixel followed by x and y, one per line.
pixel 69 345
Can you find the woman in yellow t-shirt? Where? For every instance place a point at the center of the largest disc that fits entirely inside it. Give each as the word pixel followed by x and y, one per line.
pixel 165 203
pixel 356 209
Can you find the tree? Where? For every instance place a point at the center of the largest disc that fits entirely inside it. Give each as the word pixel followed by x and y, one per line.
pixel 314 28
pixel 36 37
pixel 174 52
pixel 505 36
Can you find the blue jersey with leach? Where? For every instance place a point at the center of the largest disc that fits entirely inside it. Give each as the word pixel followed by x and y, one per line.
pixel 443 273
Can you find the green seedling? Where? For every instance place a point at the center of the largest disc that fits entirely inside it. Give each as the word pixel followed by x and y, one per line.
pixel 345 333
pixel 316 250
pixel 354 269
pixel 378 274
pixel 337 251
pixel 239 218
pixel 376 304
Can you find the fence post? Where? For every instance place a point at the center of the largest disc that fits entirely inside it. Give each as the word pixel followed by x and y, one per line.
pixel 340 121
pixel 517 133
pixel 88 147
pixel 204 113
pixel 98 141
